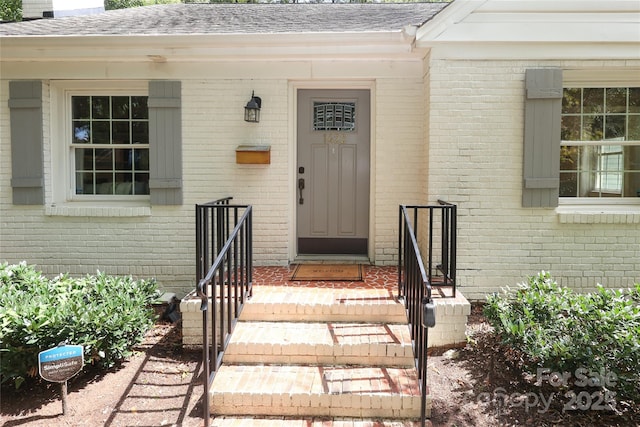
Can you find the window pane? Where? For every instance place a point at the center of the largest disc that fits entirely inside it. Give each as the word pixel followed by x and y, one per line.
pixel 571 101
pixel 632 184
pixel 634 128
pixel 634 100
pixel 80 107
pixel 104 159
pixel 616 100
pixel 84 159
pixel 120 107
pixel 593 100
pixel 100 107
pixel 568 184
pixel 120 133
pixel 139 108
pixel 140 132
pixel 124 183
pixel 570 128
pixel 100 133
pixel 141 158
pixel 104 183
pixel 141 183
pixel 632 157
pixel 81 132
pixel 122 159
pixel 84 183
pixel 569 157
pixel 593 129
pixel 615 128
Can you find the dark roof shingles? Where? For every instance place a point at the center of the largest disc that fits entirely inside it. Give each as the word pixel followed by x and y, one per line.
pixel 233 19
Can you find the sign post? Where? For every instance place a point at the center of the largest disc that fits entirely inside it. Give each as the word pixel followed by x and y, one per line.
pixel 60 363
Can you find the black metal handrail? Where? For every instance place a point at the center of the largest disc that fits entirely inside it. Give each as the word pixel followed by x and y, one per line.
pixel 224 257
pixel 415 281
pixel 442 272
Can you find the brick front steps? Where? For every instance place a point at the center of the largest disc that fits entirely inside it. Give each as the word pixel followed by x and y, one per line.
pixel 328 355
pixel 316 352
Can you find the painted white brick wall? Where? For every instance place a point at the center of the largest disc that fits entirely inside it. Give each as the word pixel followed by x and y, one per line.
pixel 213 113
pixel 400 158
pixel 475 147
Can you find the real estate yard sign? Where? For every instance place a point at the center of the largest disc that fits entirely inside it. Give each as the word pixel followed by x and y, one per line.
pixel 60 363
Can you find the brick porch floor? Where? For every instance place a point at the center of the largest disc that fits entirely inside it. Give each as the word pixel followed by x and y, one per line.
pixel 375 277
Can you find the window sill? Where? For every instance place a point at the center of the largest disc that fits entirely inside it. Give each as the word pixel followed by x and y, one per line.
pixel 569 214
pixel 92 210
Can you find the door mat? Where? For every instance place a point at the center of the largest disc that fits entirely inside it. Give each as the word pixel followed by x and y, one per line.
pixel 329 272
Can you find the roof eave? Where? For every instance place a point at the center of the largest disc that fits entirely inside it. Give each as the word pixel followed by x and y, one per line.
pixel 203 47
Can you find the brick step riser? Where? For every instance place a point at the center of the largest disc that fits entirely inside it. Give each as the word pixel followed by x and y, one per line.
pixel 392 355
pixel 310 405
pixel 283 312
pixel 257 421
pixel 320 343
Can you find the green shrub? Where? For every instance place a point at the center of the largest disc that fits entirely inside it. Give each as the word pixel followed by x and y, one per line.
pixel 10 10
pixel 105 314
pixel 556 329
pixel 122 4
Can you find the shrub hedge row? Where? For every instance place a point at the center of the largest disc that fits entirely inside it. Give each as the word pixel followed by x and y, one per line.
pixel 107 315
pixel 561 331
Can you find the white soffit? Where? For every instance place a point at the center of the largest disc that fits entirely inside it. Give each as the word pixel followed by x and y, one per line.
pixel 501 28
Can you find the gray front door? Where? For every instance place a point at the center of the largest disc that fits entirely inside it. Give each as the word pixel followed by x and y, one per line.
pixel 333 171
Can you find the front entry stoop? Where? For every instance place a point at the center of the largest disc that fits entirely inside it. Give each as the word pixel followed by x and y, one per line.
pixel 319 353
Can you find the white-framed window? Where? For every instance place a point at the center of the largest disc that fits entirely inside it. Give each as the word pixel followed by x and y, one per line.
pixel 110 145
pixel 101 149
pixel 600 145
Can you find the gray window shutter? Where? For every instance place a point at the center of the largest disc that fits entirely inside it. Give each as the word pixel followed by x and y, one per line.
pixel 165 142
pixel 543 108
pixel 25 106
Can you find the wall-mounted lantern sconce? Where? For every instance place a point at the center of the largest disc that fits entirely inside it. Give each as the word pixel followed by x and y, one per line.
pixel 252 109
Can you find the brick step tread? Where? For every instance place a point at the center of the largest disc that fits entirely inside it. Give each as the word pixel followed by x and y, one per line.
pixel 226 421
pixel 322 296
pixel 320 343
pixel 295 390
pixel 304 304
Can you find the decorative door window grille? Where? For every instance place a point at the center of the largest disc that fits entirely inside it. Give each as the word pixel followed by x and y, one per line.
pixel 334 116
